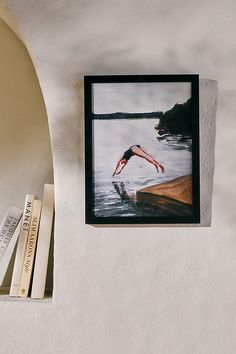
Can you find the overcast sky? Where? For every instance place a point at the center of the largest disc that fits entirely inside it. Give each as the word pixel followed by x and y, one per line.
pixel 139 97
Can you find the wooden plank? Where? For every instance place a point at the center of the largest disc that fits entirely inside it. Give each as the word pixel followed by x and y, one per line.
pixel 176 191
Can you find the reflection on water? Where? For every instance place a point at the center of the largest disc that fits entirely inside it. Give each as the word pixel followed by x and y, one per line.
pixel 177 142
pixel 115 196
pixel 175 208
pixel 122 192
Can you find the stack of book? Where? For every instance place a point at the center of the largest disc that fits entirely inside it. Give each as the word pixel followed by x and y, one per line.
pixel 29 230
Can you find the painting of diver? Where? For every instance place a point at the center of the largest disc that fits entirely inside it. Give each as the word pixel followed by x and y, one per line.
pixel 142 149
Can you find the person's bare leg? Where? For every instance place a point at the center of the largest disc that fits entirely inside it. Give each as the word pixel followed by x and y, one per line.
pixel 139 152
pixel 150 156
pixel 158 164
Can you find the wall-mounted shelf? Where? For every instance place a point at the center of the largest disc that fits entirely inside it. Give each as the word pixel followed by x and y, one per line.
pixel 4 296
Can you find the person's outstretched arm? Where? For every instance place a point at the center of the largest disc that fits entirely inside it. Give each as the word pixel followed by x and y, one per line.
pixel 117 171
pixel 125 163
pixel 117 167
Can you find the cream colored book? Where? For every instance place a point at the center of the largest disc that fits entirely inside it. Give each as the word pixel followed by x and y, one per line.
pixel 30 250
pixel 8 227
pixel 5 260
pixel 43 246
pixel 21 245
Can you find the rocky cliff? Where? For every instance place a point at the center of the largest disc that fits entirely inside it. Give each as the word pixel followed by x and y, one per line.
pixel 177 120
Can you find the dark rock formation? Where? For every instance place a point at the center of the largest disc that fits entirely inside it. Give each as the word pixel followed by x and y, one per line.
pixel 177 120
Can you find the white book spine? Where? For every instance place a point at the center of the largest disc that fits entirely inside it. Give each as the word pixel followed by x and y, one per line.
pixel 21 245
pixel 8 254
pixel 8 228
pixel 30 250
pixel 43 246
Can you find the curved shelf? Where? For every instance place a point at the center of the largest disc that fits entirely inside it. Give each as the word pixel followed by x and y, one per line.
pixel 25 146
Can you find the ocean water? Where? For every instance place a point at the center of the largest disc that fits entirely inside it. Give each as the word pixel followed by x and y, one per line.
pixel 114 196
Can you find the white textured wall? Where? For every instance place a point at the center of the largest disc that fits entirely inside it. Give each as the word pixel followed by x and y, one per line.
pixel 130 290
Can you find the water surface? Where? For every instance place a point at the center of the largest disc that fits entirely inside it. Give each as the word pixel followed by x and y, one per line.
pixel 113 195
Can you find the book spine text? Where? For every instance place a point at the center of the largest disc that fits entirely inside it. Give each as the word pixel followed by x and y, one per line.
pixel 8 228
pixel 21 245
pixel 30 250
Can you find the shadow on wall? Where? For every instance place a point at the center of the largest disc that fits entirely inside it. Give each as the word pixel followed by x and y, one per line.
pixel 80 109
pixel 25 148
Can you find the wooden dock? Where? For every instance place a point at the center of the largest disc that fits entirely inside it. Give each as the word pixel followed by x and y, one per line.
pixel 176 192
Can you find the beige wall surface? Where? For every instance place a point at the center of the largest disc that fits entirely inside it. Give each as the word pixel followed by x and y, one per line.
pixel 136 290
pixel 25 148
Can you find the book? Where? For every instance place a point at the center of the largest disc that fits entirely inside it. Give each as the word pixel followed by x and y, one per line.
pixel 30 250
pixel 7 241
pixel 21 245
pixel 43 246
pixel 5 261
pixel 8 227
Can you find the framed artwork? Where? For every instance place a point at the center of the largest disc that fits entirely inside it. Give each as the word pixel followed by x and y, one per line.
pixel 142 149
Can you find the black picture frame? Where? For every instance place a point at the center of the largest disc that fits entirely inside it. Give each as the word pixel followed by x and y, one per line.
pixel 192 217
